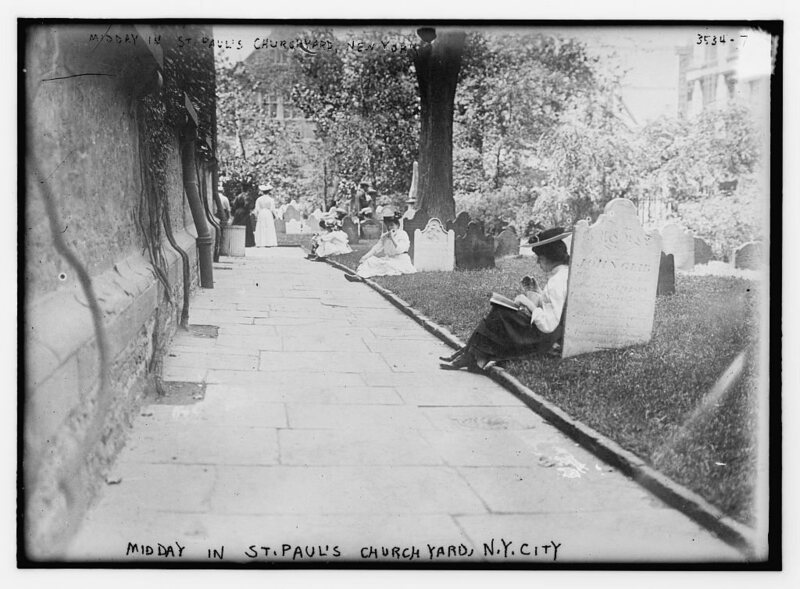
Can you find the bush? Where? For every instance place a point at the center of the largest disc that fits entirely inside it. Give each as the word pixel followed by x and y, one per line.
pixel 727 221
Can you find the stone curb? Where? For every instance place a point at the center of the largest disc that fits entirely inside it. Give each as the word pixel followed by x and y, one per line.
pixel 677 496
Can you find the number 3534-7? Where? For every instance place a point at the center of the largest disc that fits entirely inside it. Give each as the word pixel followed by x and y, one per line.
pixel 713 39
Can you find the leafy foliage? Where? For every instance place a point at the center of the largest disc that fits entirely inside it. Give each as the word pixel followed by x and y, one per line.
pixel 364 105
pixel 692 157
pixel 513 89
pixel 256 148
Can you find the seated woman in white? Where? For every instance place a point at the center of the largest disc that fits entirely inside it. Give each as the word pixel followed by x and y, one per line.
pixel 332 241
pixel 388 257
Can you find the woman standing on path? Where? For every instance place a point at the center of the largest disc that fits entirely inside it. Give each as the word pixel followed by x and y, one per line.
pixel 265 220
pixel 536 325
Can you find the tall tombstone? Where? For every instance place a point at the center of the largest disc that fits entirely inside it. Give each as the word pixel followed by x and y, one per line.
pixel 418 220
pixel 475 249
pixel 460 224
pixel 749 256
pixel 679 242
pixel 434 248
pixel 702 252
pixel 666 275
pixel 507 243
pixel 280 225
pixel 351 229
pixel 613 277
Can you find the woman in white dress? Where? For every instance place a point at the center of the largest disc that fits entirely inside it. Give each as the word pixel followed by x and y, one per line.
pixel 331 242
pixel 265 219
pixel 393 245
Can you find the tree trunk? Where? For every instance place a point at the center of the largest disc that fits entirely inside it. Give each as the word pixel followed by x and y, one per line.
pixel 437 65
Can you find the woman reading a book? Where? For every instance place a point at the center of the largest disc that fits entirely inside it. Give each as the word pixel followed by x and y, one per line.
pixel 529 323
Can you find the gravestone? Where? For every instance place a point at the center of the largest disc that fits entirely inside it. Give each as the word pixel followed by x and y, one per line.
pixel 507 243
pixel 292 214
pixel 749 256
pixel 370 229
pixel 460 224
pixel 434 248
pixel 418 220
pixel 311 225
pixel 474 249
pixel 613 278
pixel 666 275
pixel 679 242
pixel 294 227
pixel 280 225
pixel 702 252
pixel 351 229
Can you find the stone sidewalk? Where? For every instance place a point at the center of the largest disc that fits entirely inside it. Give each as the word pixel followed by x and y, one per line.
pixel 328 433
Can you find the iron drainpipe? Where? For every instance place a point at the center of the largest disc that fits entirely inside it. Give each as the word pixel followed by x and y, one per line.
pixel 205 242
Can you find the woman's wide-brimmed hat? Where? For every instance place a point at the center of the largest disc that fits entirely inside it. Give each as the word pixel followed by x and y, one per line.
pixel 549 236
pixel 389 214
pixel 264 187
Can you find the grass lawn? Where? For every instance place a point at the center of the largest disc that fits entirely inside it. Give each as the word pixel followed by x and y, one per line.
pixel 642 396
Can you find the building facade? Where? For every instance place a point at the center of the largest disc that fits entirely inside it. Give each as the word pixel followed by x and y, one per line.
pixel 104 284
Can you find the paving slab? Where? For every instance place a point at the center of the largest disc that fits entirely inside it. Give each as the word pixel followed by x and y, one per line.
pixel 326 423
pixel 303 490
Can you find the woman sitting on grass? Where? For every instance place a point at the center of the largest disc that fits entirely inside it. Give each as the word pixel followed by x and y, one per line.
pixel 505 333
pixel 331 241
pixel 393 245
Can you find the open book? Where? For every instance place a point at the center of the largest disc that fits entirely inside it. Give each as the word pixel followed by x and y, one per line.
pixel 503 301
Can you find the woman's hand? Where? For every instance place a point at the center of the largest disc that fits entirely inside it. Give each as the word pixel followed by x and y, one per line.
pixel 524 301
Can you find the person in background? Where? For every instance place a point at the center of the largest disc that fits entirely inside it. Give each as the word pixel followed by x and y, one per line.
pixel 224 214
pixel 239 210
pixel 389 256
pixel 265 235
pixel 505 333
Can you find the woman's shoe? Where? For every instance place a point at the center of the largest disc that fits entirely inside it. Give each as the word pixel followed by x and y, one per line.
pixel 457 354
pixel 465 360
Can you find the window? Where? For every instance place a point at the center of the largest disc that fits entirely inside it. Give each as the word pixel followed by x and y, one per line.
pixel 271 104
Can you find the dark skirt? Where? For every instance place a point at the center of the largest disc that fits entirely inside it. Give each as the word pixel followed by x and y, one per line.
pixel 250 232
pixel 504 334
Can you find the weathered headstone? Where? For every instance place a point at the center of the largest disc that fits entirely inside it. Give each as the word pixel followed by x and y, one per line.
pixel 460 224
pixel 613 278
pixel 370 229
pixel 280 225
pixel 311 225
pixel 679 242
pixel 666 275
pixel 749 256
pixel 474 249
pixel 294 227
pixel 351 229
pixel 292 214
pixel 434 248
pixel 507 243
pixel 702 252
pixel 418 220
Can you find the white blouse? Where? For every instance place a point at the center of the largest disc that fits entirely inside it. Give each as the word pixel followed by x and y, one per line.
pixel 385 245
pixel 547 315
